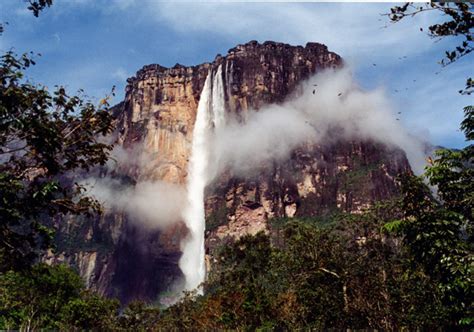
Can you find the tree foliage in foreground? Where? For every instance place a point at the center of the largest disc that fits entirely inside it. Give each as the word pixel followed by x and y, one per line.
pixel 36 6
pixel 45 139
pixel 352 276
pixel 368 272
pixel 358 274
pixel 439 232
pixel 46 297
pixel 355 275
pixel 459 22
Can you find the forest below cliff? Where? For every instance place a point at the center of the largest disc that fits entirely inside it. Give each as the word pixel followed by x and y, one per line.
pixel 402 264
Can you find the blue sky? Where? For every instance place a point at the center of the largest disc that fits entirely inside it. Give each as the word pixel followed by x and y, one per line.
pixel 94 44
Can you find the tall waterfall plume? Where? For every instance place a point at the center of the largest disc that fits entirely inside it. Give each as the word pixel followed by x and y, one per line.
pixel 218 100
pixel 210 116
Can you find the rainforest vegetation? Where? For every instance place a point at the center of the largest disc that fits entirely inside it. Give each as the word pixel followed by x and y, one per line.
pixel 402 264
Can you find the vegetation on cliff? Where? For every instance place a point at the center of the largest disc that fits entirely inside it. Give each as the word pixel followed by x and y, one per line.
pixel 403 264
pixel 364 271
pixel 45 138
pixel 51 297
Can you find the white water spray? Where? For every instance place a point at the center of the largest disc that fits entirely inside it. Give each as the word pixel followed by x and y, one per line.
pixel 218 101
pixel 210 114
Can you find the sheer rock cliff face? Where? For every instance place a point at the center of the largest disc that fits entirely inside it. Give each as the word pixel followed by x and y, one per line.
pixel 157 118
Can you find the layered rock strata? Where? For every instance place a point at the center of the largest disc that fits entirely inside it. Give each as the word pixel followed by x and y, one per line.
pixel 157 119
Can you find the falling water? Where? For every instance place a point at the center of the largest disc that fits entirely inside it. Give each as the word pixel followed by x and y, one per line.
pixel 192 261
pixel 218 101
pixel 210 113
pixel 229 69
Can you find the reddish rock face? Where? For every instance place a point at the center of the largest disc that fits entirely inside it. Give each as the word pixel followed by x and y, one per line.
pixel 161 103
pixel 158 116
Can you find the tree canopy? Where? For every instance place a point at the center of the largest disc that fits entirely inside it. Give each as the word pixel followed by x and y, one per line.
pixel 403 264
pixel 44 140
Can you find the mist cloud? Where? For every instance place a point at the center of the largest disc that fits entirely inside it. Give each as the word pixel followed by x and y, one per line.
pixel 147 203
pixel 328 106
pixel 325 102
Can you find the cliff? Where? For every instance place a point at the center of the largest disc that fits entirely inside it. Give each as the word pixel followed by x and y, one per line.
pixel 157 117
pixel 161 103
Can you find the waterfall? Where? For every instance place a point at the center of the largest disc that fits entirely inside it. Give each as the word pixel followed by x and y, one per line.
pixel 210 114
pixel 218 101
pixel 192 261
pixel 229 80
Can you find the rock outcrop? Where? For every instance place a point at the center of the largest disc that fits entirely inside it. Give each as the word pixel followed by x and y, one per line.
pixel 157 118
pixel 161 103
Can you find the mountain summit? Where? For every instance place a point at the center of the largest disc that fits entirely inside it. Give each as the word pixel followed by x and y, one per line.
pixel 155 125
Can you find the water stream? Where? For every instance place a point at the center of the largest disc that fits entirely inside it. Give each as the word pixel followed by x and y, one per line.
pixel 210 116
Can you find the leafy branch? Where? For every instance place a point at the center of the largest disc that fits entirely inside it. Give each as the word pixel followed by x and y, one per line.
pixel 460 23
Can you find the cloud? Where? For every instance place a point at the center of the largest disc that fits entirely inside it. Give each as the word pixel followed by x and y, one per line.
pixel 105 6
pixel 152 205
pixel 439 106
pixel 348 28
pixel 149 204
pixel 351 29
pixel 337 105
pixel 193 32
pixel 56 37
pixel 120 74
pixel 124 4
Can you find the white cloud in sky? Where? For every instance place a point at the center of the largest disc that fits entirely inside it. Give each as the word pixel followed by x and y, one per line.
pixel 336 102
pixel 359 33
pixel 355 31
pixel 350 29
pixel 56 37
pixel 121 74
pixel 438 104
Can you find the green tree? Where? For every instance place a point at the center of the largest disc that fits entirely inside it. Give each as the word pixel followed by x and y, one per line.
pixel 459 22
pixel 44 141
pixel 89 311
pixel 31 299
pixel 36 6
pixel 51 297
pixel 439 230
pixel 139 316
pixel 307 276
